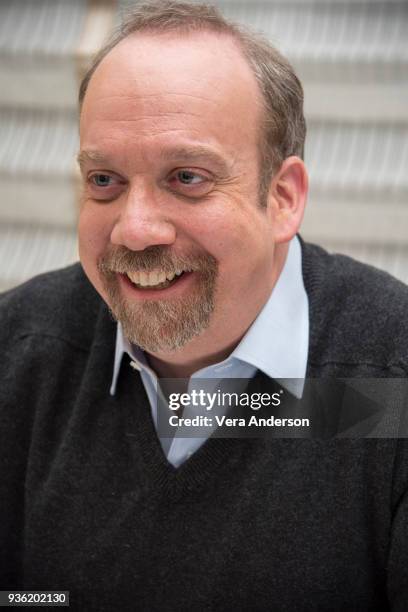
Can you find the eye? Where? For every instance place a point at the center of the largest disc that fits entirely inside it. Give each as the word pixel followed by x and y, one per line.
pixel 104 186
pixel 190 182
pixel 189 178
pixel 101 180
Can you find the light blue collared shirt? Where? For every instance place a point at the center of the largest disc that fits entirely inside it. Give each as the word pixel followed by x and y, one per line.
pixel 277 343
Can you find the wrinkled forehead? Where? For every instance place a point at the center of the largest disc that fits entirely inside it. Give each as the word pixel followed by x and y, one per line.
pixel 203 75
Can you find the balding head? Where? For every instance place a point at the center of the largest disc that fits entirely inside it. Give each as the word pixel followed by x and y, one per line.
pixel 282 131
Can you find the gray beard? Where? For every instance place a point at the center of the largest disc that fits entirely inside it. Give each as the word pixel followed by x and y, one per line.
pixel 160 325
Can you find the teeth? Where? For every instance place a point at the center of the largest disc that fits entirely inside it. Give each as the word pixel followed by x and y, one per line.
pixel 150 279
pixel 153 278
pixel 134 277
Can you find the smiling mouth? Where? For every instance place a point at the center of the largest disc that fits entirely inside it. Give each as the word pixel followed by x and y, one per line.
pixel 154 280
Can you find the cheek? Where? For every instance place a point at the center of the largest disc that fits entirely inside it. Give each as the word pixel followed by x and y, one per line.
pixel 93 238
pixel 219 231
pixel 94 229
pixel 242 241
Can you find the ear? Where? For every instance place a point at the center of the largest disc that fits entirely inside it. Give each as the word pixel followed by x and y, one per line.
pixel 287 198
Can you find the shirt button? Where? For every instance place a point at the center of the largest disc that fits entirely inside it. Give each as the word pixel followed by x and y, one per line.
pixel 135 366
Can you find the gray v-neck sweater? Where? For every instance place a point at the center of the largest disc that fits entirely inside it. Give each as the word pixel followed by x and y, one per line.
pixel 89 504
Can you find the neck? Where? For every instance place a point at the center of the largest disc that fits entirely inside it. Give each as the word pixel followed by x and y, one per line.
pixel 182 365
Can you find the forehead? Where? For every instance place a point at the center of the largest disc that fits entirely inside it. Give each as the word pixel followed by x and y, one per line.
pixel 198 82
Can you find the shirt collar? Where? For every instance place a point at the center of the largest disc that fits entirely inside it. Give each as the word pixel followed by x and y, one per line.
pixel 277 342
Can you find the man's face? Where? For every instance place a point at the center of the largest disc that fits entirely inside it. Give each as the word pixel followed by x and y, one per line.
pixel 171 230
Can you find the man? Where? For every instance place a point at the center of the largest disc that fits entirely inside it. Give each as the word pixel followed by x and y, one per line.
pixel 194 190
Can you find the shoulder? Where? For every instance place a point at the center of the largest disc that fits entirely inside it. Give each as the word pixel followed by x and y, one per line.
pixel 351 280
pixel 61 303
pixel 357 312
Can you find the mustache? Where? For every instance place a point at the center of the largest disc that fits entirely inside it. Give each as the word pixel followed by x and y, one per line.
pixel 119 259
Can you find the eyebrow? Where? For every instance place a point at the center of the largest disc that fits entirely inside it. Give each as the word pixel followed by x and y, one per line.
pixel 193 153
pixel 90 156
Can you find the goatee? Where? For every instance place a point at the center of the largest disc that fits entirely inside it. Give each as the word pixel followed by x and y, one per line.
pixel 157 325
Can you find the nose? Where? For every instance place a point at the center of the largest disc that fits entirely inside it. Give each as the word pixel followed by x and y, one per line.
pixel 141 222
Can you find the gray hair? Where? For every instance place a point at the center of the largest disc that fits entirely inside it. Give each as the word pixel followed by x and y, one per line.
pixel 283 128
